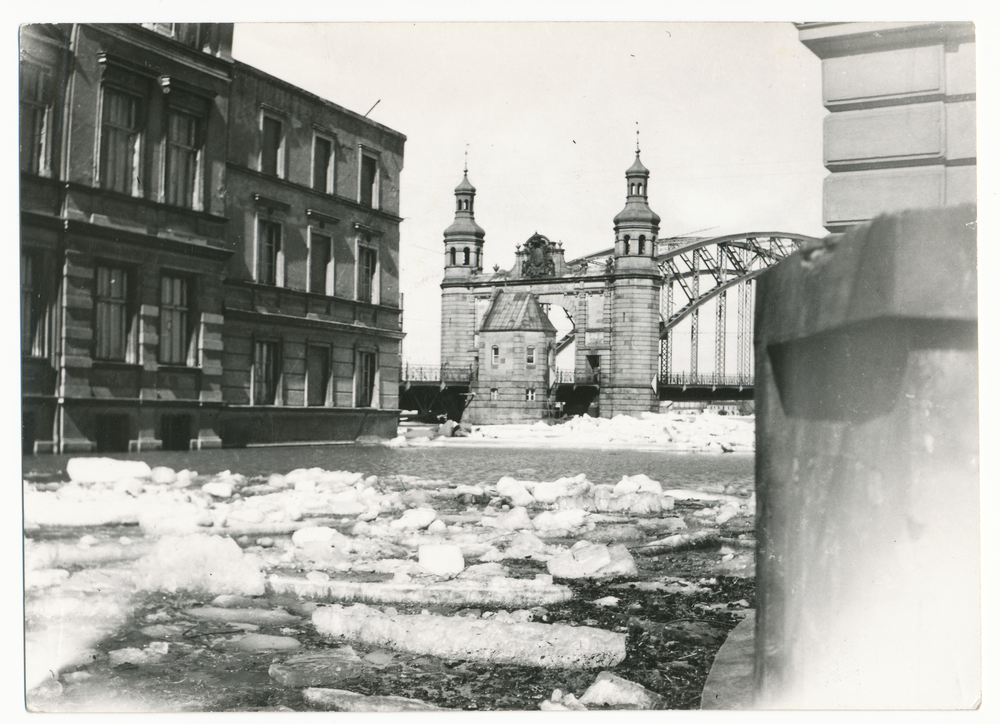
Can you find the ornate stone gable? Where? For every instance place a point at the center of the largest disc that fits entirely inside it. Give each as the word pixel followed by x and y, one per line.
pixel 538 260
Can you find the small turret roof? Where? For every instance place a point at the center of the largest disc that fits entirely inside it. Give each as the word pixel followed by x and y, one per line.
pixel 465 187
pixel 516 311
pixel 637 168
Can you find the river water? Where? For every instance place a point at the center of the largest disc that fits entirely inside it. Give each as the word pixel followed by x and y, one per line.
pixel 455 464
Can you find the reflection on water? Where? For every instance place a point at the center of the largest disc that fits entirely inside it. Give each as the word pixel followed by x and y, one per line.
pixel 454 464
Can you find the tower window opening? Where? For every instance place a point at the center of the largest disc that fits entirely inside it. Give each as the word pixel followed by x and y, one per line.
pixel 640 189
pixel 465 256
pixel 451 255
pixel 631 189
pixel 495 355
pixel 626 240
pixel 642 245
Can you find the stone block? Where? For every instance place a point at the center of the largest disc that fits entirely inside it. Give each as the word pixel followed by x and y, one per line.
pixel 853 197
pixel 884 135
pixel 903 73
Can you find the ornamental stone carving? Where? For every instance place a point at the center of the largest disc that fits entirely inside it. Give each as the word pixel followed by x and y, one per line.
pixel 538 258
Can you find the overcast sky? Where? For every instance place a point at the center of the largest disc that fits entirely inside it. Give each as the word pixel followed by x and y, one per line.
pixel 730 119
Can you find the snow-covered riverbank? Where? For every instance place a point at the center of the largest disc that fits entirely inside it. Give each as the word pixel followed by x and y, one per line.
pixel 668 431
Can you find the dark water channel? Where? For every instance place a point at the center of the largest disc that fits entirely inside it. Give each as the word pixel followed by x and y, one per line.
pixel 458 465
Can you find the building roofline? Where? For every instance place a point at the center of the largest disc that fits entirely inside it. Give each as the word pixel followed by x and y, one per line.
pixel 239 65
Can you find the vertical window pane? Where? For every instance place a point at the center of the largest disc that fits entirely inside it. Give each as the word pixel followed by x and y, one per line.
pixel 112 321
pixel 268 246
pixel 368 261
pixel 28 296
pixel 174 320
pixel 321 165
pixel 34 115
pixel 120 142
pixel 365 379
pixel 368 174
pixel 270 153
pixel 317 375
pixel 182 160
pixel 266 373
pixel 319 261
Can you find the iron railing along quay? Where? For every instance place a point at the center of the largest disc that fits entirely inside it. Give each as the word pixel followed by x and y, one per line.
pixel 711 379
pixel 437 373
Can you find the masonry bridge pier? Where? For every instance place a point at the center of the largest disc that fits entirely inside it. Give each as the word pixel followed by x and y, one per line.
pixel 614 332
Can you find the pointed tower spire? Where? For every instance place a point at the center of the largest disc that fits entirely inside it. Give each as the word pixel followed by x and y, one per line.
pixel 464 239
pixel 637 225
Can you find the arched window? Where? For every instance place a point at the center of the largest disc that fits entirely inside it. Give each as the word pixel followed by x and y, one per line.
pixel 465 256
pixel 495 355
pixel 626 244
pixel 642 245
pixel 631 189
pixel 640 189
pixel 451 254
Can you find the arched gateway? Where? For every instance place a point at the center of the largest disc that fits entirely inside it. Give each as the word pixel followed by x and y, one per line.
pixel 503 357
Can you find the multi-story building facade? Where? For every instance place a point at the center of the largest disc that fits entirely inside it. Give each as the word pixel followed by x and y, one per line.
pixel 209 256
pixel 313 327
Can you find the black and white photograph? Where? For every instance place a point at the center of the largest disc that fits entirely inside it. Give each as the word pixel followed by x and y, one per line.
pixel 425 362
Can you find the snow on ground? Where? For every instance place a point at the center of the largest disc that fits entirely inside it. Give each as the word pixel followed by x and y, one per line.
pixel 674 431
pixel 227 534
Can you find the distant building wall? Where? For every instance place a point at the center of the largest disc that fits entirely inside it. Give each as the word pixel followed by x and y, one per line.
pixel 901 132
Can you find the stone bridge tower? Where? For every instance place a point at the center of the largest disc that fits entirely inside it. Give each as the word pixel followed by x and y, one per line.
pixel 463 260
pixel 635 297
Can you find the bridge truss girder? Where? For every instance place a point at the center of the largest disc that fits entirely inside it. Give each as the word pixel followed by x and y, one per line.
pixel 739 258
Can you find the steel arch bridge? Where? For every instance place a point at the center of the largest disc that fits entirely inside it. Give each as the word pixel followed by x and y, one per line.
pixel 696 271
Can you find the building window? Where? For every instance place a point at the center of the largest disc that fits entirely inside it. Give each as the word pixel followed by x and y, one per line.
pixel 34 119
pixel 626 240
pixel 115 323
pixel 494 394
pixel 266 373
pixel 323 164
pixel 451 255
pixel 189 34
pixel 272 147
pixel 320 275
pixel 495 355
pixel 529 394
pixel 183 167
pixel 529 357
pixel 162 28
pixel 269 252
pixel 465 256
pixel 365 380
pixel 33 318
pixel 121 139
pixel 642 245
pixel 367 273
pixel 317 375
pixel 368 178
pixel 175 328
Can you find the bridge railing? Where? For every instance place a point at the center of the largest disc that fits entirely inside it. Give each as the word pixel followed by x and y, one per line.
pixel 437 373
pixel 570 377
pixel 711 379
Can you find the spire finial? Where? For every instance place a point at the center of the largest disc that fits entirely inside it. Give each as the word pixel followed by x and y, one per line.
pixel 467 159
pixel 637 138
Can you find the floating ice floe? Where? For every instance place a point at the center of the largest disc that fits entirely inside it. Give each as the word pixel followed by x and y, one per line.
pixel 498 591
pixel 468 639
